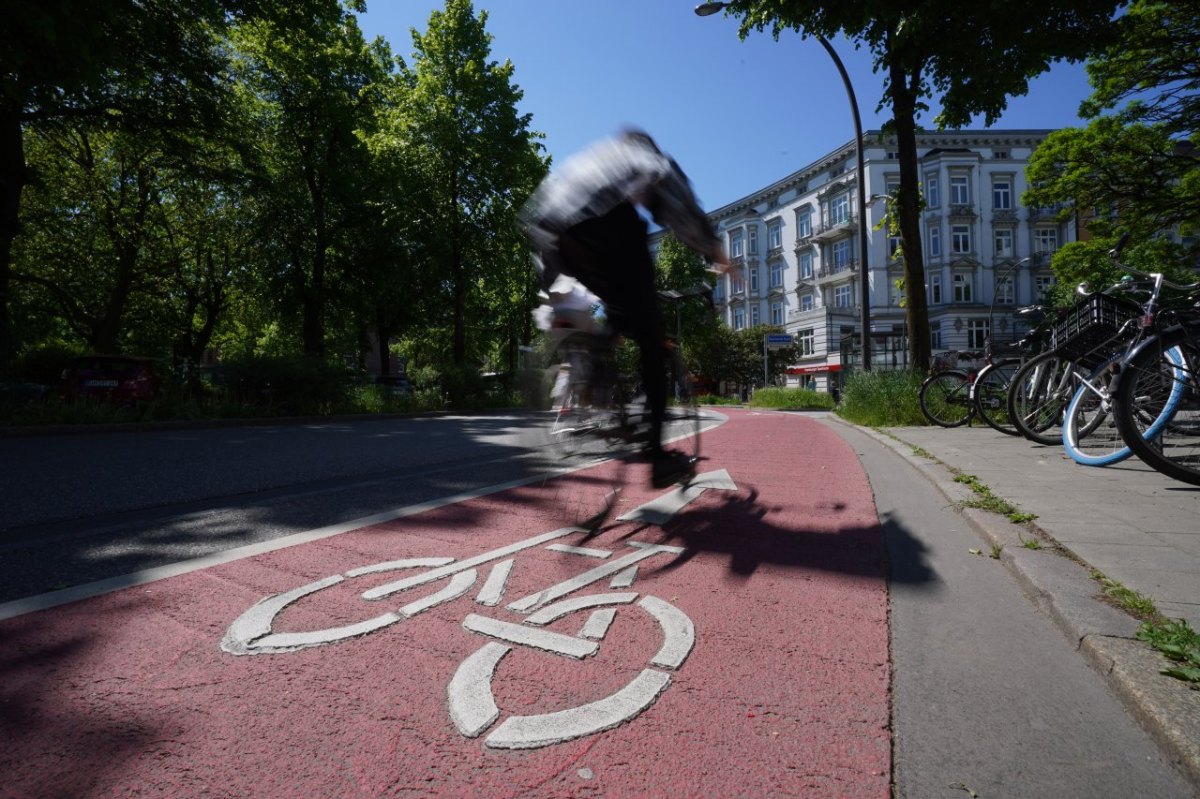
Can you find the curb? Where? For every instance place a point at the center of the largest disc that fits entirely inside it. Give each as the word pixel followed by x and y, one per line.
pixel 1063 588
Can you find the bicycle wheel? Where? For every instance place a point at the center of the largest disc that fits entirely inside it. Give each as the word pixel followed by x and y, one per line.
pixel 991 394
pixel 1038 397
pixel 945 398
pixel 1089 432
pixel 1158 405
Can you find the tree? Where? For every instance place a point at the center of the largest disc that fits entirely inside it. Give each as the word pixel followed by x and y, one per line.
pixel 972 56
pixel 149 62
pixel 479 160
pixel 1135 170
pixel 313 93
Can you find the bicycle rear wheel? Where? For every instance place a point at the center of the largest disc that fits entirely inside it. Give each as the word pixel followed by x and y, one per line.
pixel 945 398
pixel 991 394
pixel 1158 405
pixel 1038 397
pixel 1089 432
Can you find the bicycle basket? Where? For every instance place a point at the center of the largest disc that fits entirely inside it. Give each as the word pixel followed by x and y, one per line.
pixel 1085 330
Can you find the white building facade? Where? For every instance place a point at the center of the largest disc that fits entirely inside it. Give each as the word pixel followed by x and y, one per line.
pixel 797 252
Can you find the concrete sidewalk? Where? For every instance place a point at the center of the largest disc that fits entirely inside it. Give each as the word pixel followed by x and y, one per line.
pixel 1126 521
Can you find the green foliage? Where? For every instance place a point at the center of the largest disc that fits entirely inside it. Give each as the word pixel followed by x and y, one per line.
pixel 286 385
pixel 882 399
pixel 1179 643
pixel 791 399
pixel 1135 170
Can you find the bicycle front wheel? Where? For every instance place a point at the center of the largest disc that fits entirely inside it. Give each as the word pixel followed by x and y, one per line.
pixel 1089 433
pixel 991 395
pixel 1158 405
pixel 1038 397
pixel 945 398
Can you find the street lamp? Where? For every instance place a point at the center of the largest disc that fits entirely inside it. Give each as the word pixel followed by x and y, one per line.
pixel 708 9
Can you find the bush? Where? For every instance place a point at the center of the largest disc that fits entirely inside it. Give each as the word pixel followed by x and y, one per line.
pixel 882 399
pixel 286 384
pixel 791 399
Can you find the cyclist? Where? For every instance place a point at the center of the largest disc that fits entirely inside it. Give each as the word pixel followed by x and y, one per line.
pixel 583 222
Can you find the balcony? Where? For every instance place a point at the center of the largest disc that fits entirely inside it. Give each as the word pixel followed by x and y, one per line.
pixel 964 211
pixel 830 229
pixel 831 270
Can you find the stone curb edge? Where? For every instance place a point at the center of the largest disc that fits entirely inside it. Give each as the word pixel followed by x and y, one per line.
pixel 1062 588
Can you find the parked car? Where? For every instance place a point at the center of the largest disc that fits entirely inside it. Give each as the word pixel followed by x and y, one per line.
pixel 122 379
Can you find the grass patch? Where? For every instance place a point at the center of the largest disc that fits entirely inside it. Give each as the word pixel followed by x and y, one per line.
pixel 986 500
pixel 882 399
pixel 1179 643
pixel 791 399
pixel 713 399
pixel 1129 600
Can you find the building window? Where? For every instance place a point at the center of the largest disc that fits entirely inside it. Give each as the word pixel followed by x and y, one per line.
pixel 777 313
pixel 1045 239
pixel 1000 155
pixel 839 209
pixel 841 297
pixel 935 335
pixel 739 318
pixel 754 320
pixel 753 279
pixel 960 239
pixel 776 276
pixel 841 255
pixel 962 288
pixel 775 236
pixel 1042 284
pixel 739 285
pixel 806 341
pixel 806 302
pixel 935 289
pixel 1002 194
pixel 893 245
pixel 895 295
pixel 803 223
pixel 1004 291
pixel 960 190
pixel 977 333
pixel 933 197
pixel 806 271
pixel 735 245
pixel 935 242
pixel 753 234
pixel 1004 242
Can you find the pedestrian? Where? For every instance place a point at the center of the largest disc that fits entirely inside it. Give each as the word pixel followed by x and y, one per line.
pixel 583 222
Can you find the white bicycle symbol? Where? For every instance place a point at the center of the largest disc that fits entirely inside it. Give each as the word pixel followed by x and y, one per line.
pixel 472 705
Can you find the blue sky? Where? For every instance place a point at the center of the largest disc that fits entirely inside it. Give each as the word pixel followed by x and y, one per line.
pixel 737 115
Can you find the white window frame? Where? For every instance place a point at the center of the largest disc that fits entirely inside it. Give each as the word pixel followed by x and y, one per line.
pixel 777 313
pixel 977 333
pixel 839 254
pixel 735 244
pixel 1003 239
pixel 754 315
pixel 775 235
pixel 752 248
pixel 935 289
pixel 806 302
pixel 777 275
pixel 960 190
pixel 1005 291
pixel 935 241
pixel 739 318
pixel 933 198
pixel 839 209
pixel 806 265
pixel 963 287
pixel 753 279
pixel 804 223
pixel 960 239
pixel 1045 239
pixel 935 335
pixel 1002 194
pixel 806 341
pixel 843 297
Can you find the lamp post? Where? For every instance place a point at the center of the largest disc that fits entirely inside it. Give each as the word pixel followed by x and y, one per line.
pixel 708 9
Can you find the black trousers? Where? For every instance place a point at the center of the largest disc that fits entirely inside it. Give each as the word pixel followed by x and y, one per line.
pixel 610 255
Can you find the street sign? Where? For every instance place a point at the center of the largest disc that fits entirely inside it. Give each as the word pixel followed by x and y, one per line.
pixel 777 340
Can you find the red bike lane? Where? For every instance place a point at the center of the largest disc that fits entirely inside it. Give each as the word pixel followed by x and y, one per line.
pixel 734 646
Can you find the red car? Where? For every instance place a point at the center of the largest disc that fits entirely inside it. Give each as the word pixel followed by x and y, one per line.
pixel 115 378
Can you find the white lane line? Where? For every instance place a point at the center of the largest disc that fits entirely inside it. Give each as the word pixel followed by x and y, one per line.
pixel 52 599
pixel 588 552
pixel 529 732
pixel 545 640
pixel 662 509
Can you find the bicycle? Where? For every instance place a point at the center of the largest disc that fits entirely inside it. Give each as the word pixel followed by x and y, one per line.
pixel 598 415
pixel 1105 331
pixel 945 395
pixel 471 701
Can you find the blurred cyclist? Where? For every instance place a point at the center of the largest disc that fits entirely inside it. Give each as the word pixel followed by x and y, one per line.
pixel 582 222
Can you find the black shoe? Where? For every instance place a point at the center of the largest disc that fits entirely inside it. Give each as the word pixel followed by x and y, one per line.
pixel 668 468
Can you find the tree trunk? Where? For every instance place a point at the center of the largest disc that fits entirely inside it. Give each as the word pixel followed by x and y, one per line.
pixel 12 180
pixel 909 213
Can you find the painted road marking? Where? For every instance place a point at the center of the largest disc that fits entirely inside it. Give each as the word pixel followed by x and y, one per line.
pixel 544 640
pixel 588 552
pixel 662 509
pixel 493 589
pixel 540 598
